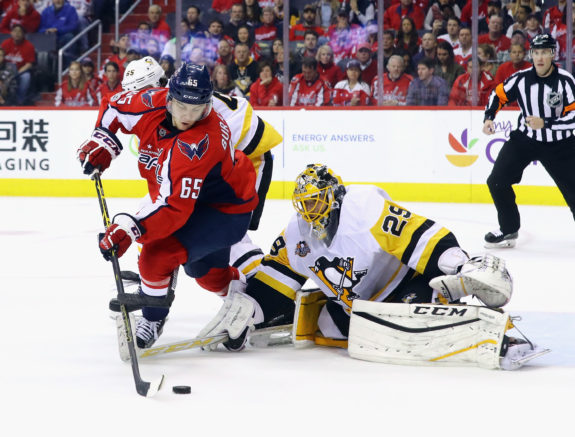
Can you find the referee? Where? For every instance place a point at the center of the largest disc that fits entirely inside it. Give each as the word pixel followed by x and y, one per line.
pixel 546 96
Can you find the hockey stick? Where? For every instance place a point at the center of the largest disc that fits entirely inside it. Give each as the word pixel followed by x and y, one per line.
pixel 142 387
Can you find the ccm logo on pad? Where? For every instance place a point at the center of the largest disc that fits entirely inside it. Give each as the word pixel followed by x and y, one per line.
pixel 440 311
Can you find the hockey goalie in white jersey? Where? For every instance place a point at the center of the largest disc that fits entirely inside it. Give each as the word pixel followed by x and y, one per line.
pixel 390 283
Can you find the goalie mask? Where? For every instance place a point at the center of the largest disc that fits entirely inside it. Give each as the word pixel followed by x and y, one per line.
pixel 317 198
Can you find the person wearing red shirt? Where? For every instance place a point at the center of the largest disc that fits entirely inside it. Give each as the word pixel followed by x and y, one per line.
pixel 367 63
pixel 307 88
pixel 463 52
pixel 461 91
pixel 267 90
pixel 554 15
pixel 517 63
pixel 223 6
pixel 160 29
pixel 297 31
pixel 352 91
pixel 393 15
pixel 327 70
pixel 267 31
pixel 75 90
pixel 466 11
pixel 22 13
pixel 344 37
pixel 112 84
pixel 395 83
pixel 495 36
pixel 120 57
pixel 20 52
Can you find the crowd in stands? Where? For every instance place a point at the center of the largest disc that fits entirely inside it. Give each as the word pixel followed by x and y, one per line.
pixel 332 54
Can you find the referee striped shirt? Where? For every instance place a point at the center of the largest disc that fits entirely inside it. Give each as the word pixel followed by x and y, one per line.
pixel 551 98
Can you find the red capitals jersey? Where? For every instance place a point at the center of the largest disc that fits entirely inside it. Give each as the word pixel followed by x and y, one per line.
pixel 304 93
pixel 181 168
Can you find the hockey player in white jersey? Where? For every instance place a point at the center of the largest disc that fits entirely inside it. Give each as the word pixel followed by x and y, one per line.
pixel 386 269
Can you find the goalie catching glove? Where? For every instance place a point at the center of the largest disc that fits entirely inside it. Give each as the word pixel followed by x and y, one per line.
pixel 484 277
pixel 97 153
pixel 119 236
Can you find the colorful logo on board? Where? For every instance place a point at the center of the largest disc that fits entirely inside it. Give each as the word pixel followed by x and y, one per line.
pixel 462 158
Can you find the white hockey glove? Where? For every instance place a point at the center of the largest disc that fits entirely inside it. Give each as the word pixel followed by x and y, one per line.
pixel 236 317
pixel 484 277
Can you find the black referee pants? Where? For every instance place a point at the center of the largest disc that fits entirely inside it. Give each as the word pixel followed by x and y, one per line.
pixel 558 158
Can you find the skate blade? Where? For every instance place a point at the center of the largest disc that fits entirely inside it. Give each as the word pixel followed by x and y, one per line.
pixel 505 244
pixel 519 362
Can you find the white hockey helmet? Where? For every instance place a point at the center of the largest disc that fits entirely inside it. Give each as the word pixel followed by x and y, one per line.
pixel 142 73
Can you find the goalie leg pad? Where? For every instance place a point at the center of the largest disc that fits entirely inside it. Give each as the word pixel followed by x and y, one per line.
pixel 425 334
pixel 308 304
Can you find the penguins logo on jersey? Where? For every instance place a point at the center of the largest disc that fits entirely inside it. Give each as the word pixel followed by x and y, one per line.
pixel 193 150
pixel 554 100
pixel 302 249
pixel 339 277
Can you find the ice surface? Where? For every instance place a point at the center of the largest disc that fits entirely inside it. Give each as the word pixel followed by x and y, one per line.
pixel 61 374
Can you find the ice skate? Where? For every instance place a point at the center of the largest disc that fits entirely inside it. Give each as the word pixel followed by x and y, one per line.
pixel 148 332
pixel 519 352
pixel 496 239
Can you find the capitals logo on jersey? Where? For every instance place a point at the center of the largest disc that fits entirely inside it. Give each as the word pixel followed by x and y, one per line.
pixel 339 277
pixel 193 150
pixel 147 98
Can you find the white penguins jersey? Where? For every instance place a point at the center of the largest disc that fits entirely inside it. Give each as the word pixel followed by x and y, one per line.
pixel 378 246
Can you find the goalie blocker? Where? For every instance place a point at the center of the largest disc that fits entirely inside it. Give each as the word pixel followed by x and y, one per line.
pixel 426 334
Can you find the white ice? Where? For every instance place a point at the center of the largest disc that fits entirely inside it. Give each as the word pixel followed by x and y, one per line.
pixel 61 374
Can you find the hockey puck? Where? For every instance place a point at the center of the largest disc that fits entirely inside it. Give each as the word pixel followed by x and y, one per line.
pixel 182 389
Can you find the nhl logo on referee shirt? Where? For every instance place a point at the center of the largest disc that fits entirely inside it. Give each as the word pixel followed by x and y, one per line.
pixel 554 99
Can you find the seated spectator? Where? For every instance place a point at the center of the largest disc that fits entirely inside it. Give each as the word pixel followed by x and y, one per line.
pixel 253 12
pixel 152 49
pixel 224 6
pixel 22 13
pixel 197 56
pixel 225 52
pixel 210 41
pixel 452 35
pixel 520 20
pixel 267 90
pixel 74 90
pixel 494 7
pixel 92 79
pixel 352 91
pixel 466 12
pixel 554 15
pixel 237 19
pixel 371 31
pixel 267 30
pixel 427 89
pixel 407 37
pixel 488 57
pixel 223 82
pixel 393 16
pixel 533 26
pixel 307 88
pixel 395 83
pixel 61 19
pixel 112 83
pixel 428 49
pixel 517 63
pixel 193 16
pixel 407 62
pixel 328 71
pixel 139 38
pixel 461 92
pixel 8 82
pixel 446 67
pixel 361 11
pixel 278 64
pixel 119 54
pixel 168 65
pixel 243 71
pixel 367 62
pixel 309 48
pixel 389 49
pixel 434 12
pixel 343 37
pixel 297 31
pixel 327 11
pixel 495 36
pixel 245 37
pixel 19 51
pixel 161 30
pixel 463 52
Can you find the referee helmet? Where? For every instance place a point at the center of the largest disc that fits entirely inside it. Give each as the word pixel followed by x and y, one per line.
pixel 543 41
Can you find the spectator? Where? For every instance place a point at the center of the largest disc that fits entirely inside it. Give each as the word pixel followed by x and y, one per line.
pixel 407 37
pixel 428 49
pixel 245 37
pixel 361 11
pixel 196 26
pixel 494 7
pixel 8 81
pixel 253 12
pixel 224 6
pixel 161 30
pixel 112 83
pixel 554 15
pixel 132 55
pixel 435 12
pixel 366 61
pixel 517 63
pixel 92 79
pixel 388 42
pixel 452 35
pixel 267 31
pixel 119 53
pixel 446 67
pixel 19 51
pixel 328 71
pixel 223 83
pixel 211 39
pixel 427 89
pixel 343 37
pixel 225 52
pixel 168 65
pixel 393 16
pixel 185 46
pixel 309 48
pixel 486 54
pixel 461 93
pixel 327 10
pixel 533 26
pixel 520 17
pixel 352 91
pixel 395 83
pixel 307 88
pixel 139 38
pixel 22 13
pixel 267 90
pixel 243 71
pixel 466 12
pixel 153 49
pixel 495 36
pixel 463 52
pixel 297 31
pixel 61 19
pixel 237 19
pixel 74 91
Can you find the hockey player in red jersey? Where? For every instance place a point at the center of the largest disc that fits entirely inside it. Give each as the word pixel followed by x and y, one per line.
pixel 201 191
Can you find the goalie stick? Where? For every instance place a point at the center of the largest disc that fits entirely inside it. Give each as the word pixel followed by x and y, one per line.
pixel 144 388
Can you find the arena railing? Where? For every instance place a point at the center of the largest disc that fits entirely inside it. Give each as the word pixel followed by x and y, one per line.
pixel 97 46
